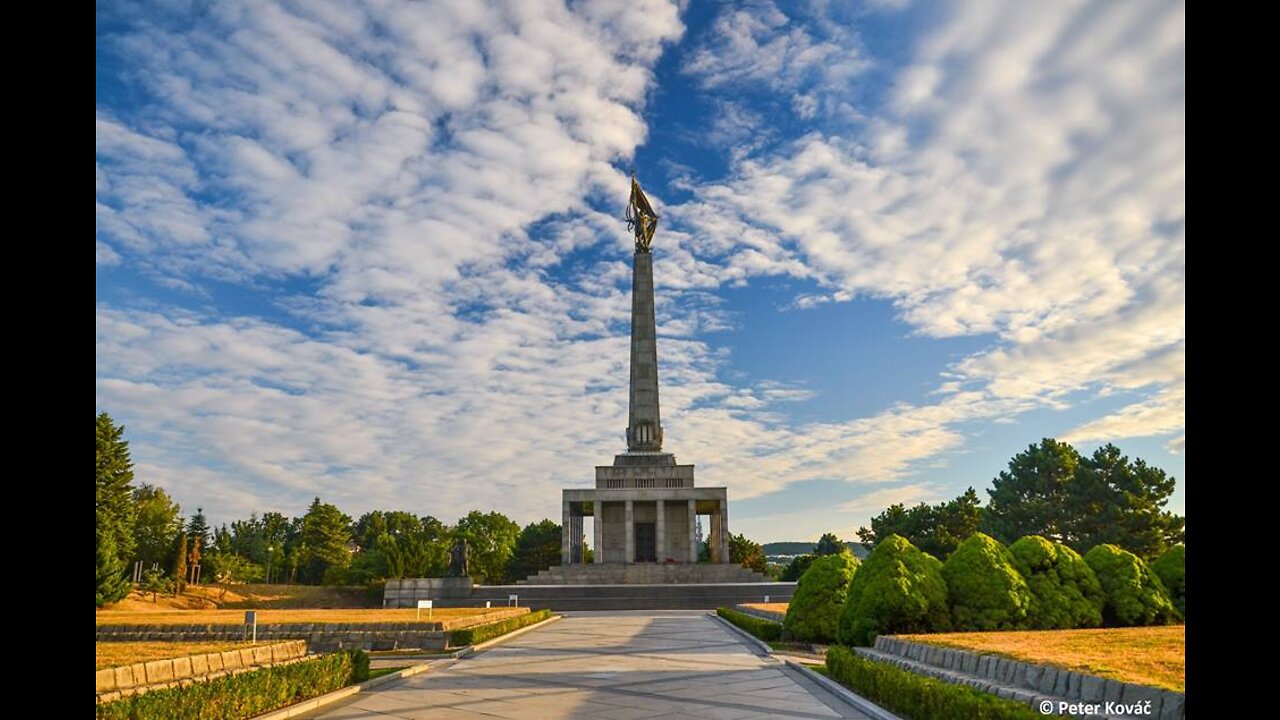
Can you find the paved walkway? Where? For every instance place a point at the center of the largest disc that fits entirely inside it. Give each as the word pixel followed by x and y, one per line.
pixel 612 666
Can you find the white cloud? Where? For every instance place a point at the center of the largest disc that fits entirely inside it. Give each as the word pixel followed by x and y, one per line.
pixel 438 366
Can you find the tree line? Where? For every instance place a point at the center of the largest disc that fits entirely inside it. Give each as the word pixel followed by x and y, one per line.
pixel 141 523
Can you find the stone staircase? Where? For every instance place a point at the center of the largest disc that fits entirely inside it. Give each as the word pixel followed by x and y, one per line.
pixel 644 574
pixel 1027 682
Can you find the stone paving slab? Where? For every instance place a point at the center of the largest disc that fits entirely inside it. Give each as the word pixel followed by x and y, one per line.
pixel 610 665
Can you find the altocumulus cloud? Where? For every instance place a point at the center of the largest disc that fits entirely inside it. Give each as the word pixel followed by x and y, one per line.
pixel 397 179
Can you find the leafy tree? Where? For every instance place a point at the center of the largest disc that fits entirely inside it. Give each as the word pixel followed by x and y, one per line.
pixel 193 561
pixel 797 567
pixel 115 515
pixel 935 529
pixel 984 589
pixel 323 544
pixel 537 548
pixel 747 553
pixel 492 539
pixel 157 521
pixel 829 544
pixel 231 569
pixel 198 529
pixel 179 570
pixel 897 589
pixel 1119 501
pixel 1171 568
pixel 814 612
pixel 367 567
pixel 1135 596
pixel 112 583
pixel 154 582
pixel 1065 592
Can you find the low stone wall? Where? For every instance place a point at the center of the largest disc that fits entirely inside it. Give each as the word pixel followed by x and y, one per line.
pixel 1027 682
pixel 320 637
pixel 405 592
pixel 763 614
pixel 116 682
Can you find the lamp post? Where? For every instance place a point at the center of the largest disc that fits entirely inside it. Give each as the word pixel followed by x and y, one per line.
pixel 270 549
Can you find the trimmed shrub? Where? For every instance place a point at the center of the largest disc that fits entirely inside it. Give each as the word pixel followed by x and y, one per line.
pixel 243 695
pixel 814 612
pixel 897 588
pixel 480 633
pixel 984 590
pixel 916 696
pixel 1171 568
pixel 1065 592
pixel 1135 596
pixel 766 630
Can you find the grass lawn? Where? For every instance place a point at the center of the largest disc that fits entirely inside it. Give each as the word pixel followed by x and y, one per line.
pixel 114 654
pixel 451 617
pixel 1145 655
pixel 768 607
pixel 379 672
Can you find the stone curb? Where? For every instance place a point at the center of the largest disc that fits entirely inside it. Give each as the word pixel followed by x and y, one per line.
pixel 864 705
pixel 1024 682
pixel 124 680
pixel 760 646
pixel 341 694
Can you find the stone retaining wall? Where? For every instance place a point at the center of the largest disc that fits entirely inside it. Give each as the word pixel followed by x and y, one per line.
pixel 116 682
pixel 1025 682
pixel 320 637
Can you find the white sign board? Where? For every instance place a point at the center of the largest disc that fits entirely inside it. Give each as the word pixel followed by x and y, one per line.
pixel 513 600
pixel 424 604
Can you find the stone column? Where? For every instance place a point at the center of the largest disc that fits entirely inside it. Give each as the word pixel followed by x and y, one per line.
pixel 713 537
pixel 724 531
pixel 661 532
pixel 598 508
pixel 631 535
pixel 693 531
pixel 566 533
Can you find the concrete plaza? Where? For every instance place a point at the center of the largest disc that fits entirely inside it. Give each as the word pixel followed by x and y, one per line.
pixel 608 665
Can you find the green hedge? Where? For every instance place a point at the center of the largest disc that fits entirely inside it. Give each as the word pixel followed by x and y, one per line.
pixel 766 630
pixel 1065 593
pixel 983 588
pixel 897 589
pixel 480 633
pixel 1171 568
pixel 244 695
pixel 1135 596
pixel 814 612
pixel 916 697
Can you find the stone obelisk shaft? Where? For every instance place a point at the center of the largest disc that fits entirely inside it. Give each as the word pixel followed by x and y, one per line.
pixel 644 430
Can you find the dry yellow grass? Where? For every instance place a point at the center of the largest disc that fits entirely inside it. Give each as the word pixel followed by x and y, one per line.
pixel 113 654
pixel 451 617
pixel 1145 655
pixel 768 607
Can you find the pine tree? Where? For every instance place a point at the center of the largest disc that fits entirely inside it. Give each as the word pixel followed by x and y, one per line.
pixel 112 583
pixel 115 511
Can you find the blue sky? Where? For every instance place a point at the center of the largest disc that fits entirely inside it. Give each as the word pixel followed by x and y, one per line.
pixel 375 252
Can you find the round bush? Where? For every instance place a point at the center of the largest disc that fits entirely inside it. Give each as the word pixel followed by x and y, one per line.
pixel 814 612
pixel 896 589
pixel 1065 592
pixel 1171 568
pixel 1135 596
pixel 983 588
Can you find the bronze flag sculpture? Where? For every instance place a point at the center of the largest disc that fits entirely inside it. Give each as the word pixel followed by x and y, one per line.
pixel 641 218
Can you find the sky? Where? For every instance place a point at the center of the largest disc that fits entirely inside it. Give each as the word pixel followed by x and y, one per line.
pixel 374 252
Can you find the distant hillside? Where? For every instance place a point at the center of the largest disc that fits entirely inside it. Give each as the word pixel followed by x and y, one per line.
pixel 801 548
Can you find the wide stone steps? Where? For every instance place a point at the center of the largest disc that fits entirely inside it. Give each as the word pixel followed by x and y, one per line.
pixel 678 596
pixel 1028 682
pixel 644 574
